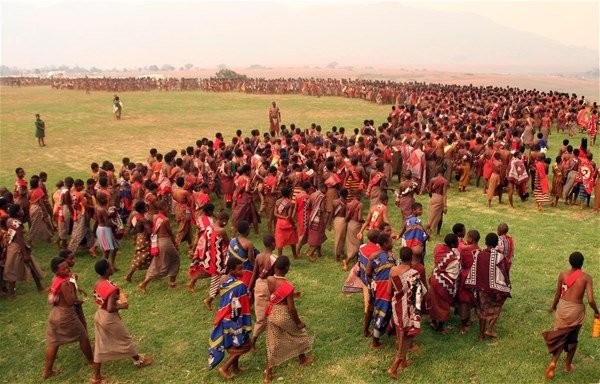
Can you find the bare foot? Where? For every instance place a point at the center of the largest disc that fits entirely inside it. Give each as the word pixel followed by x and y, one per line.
pixel 238 370
pixel 393 374
pixel 54 372
pixel 128 278
pixel 98 380
pixel 144 361
pixel 173 285
pixel 142 288
pixel 415 348
pixel 569 368
pixel 491 334
pixel 226 375
pixel 267 379
pixel 308 360
pixel 207 304
pixel 550 371
pixel 190 288
pixel 376 345
pixel 345 265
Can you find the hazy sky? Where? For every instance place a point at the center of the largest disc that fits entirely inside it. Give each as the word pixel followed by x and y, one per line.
pixel 128 33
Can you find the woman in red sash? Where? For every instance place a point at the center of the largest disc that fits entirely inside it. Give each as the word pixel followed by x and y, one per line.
pixel 64 326
pixel 286 333
pixel 113 340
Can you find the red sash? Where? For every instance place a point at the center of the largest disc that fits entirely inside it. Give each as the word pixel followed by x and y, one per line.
pixel 374 181
pixel 280 294
pixel 54 288
pixel 158 220
pixel 36 195
pixel 102 291
pixel 570 280
pixel 269 185
pixel 541 171
pixel 332 180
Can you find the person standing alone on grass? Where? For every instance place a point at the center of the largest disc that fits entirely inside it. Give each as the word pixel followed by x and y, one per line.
pixel 569 313
pixel 40 130
pixel 117 107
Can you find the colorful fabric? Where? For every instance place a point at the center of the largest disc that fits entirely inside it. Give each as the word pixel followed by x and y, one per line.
pixel 408 291
pixel 415 234
pixel 376 217
pixel 302 213
pixel 443 281
pixel 465 295
pixel 585 175
pixel 506 246
pixel 210 256
pixel 541 176
pixel 106 239
pixel 365 252
pixel 236 250
pixel 488 273
pixel 381 263
pixel 233 322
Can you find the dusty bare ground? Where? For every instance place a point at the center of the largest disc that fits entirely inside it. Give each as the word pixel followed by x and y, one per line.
pixel 590 87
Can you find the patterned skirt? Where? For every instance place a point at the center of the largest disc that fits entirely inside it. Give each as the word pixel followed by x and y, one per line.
pixel 284 339
pixel 142 258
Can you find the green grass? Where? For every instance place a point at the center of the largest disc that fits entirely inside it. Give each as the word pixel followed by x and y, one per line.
pixel 173 324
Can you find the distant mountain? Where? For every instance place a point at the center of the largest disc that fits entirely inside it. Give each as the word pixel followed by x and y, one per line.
pixel 395 35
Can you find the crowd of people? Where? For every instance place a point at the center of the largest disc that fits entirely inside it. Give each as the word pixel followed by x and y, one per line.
pixel 301 183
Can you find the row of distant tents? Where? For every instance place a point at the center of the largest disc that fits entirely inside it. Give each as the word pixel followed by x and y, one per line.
pixel 63 75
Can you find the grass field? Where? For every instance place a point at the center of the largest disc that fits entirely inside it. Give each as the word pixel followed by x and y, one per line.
pixel 174 326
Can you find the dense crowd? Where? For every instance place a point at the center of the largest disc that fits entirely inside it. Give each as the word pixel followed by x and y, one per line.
pixel 302 182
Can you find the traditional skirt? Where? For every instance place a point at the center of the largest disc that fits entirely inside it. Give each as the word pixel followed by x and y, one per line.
pixel 339 236
pixel 539 196
pixel 440 308
pixel 316 234
pixel 40 228
pixel 352 243
pixel 493 185
pixel 166 263
pixel 15 268
pixel 488 308
pixel 284 340
pixel 568 319
pixel 330 195
pixel 261 299
pixel 285 233
pixel 113 341
pixel 142 258
pixel 64 225
pixel 436 210
pixel 106 239
pixel 64 326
